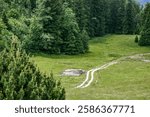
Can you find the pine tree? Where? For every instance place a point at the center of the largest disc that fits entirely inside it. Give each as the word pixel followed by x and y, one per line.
pixel 72 43
pixel 35 41
pixel 117 14
pixel 85 39
pixel 51 14
pixel 145 34
pixel 129 20
pixel 97 18
pixel 80 9
pixel 21 80
pixel 138 17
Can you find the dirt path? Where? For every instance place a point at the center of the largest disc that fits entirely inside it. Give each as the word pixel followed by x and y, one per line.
pixel 88 80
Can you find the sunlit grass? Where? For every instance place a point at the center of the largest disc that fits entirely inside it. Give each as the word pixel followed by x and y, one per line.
pixel 127 80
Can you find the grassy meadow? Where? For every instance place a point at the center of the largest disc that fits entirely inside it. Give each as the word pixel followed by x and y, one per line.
pixel 130 79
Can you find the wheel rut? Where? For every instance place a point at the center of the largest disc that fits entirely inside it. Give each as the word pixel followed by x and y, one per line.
pixel 90 74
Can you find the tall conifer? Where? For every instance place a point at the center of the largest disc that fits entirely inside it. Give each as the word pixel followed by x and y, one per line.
pixel 145 34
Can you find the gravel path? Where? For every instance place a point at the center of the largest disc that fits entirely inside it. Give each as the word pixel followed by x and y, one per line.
pixel 90 74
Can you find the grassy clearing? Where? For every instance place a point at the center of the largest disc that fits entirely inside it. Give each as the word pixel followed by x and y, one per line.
pixel 127 80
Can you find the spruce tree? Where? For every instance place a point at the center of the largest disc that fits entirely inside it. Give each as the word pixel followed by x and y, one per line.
pixel 129 20
pixel 80 9
pixel 85 39
pixel 145 34
pixel 21 80
pixel 72 43
pixel 34 41
pixel 97 18
pixel 51 18
pixel 117 14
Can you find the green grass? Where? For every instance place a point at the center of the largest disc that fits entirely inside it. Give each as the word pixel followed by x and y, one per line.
pixel 127 80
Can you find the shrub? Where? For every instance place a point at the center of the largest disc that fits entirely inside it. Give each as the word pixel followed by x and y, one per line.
pixel 21 80
pixel 145 38
pixel 136 39
pixel 145 34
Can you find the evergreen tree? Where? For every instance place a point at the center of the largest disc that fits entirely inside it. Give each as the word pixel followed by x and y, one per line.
pixel 129 20
pixel 80 9
pixel 21 80
pixel 35 41
pixel 40 24
pixel 66 36
pixel 145 34
pixel 85 39
pixel 117 14
pixel 72 43
pixel 138 17
pixel 97 18
pixel 51 14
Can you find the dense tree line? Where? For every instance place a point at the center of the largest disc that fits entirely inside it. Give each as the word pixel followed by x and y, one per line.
pixel 64 26
pixel 101 17
pixel 43 25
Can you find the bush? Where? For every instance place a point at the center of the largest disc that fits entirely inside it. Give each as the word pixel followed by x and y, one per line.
pixel 136 39
pixel 21 80
pixel 145 38
pixel 145 34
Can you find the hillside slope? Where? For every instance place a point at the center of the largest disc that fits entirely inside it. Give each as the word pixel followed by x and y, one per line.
pixel 129 79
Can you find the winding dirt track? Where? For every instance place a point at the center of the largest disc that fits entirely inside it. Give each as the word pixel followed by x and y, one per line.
pixel 90 74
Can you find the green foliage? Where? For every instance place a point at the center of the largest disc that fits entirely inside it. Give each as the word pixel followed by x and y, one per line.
pixel 21 80
pixel 51 15
pixel 3 7
pixel 5 20
pixel 2 26
pixel 33 41
pixel 1 45
pixel 145 34
pixel 116 17
pixel 136 39
pixel 85 39
pixel 18 28
pixel 61 35
pixel 129 20
pixel 97 18
pixel 41 25
pixel 4 35
pixel 13 13
pixel 103 50
pixel 72 43
pixel 81 10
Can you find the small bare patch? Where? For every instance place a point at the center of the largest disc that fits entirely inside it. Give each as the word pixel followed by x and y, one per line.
pixel 73 72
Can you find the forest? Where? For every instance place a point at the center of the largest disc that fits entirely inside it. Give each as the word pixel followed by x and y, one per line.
pixel 60 28
pixel 65 26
